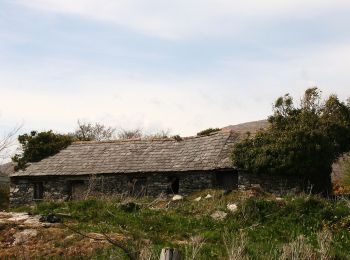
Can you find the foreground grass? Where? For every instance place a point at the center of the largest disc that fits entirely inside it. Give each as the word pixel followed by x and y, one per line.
pixel 263 227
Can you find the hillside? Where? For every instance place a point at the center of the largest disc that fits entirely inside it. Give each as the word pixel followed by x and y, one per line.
pixel 251 127
pixel 6 169
pixel 240 225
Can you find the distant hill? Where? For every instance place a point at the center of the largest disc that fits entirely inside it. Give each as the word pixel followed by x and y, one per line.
pixel 251 127
pixel 6 169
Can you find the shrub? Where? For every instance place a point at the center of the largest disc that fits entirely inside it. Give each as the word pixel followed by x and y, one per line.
pixel 208 131
pixel 302 141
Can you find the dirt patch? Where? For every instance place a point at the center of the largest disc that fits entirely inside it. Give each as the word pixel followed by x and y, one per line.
pixel 23 236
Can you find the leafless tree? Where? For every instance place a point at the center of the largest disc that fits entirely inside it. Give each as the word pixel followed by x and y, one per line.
pixel 8 141
pixel 94 132
pixel 124 134
pixel 159 134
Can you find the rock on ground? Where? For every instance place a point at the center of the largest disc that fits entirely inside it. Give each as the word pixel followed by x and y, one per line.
pixel 232 207
pixel 24 236
pixel 198 199
pixel 177 197
pixel 219 215
pixel 208 196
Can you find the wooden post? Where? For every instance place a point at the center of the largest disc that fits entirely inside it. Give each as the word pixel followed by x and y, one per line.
pixel 170 254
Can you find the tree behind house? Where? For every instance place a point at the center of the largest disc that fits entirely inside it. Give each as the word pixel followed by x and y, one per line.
pixel 125 134
pixel 208 131
pixel 303 141
pixel 93 132
pixel 39 145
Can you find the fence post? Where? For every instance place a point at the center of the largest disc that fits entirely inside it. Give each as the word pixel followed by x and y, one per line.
pixel 170 254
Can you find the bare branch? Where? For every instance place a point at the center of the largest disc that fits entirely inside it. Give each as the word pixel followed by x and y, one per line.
pixel 8 141
pixel 115 243
pixel 94 132
pixel 125 134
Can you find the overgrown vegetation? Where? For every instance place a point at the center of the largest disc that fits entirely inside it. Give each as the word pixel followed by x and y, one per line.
pixel 208 131
pixel 303 141
pixel 263 227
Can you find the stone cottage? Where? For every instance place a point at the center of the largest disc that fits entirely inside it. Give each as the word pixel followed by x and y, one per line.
pixel 136 167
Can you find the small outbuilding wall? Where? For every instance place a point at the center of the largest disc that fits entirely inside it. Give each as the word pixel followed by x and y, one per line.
pixel 276 184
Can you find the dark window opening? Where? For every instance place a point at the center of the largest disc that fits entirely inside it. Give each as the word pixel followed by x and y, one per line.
pixel 137 186
pixel 38 190
pixel 174 185
pixel 227 180
pixel 77 189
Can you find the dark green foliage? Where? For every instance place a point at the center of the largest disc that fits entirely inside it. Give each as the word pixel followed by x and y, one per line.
pixel 208 131
pixel 303 141
pixel 39 145
pixel 129 207
pixel 177 138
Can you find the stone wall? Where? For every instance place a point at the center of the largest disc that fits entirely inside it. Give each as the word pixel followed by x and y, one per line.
pixel 61 188
pixel 276 184
pixel 22 190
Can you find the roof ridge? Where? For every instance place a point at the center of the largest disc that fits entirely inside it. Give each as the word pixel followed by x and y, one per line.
pixel 151 139
pixel 231 133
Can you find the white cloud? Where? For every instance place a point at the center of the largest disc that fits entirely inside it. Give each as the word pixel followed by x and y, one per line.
pixel 185 18
pixel 180 108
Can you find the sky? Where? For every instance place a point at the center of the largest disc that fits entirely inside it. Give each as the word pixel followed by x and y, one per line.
pixel 182 65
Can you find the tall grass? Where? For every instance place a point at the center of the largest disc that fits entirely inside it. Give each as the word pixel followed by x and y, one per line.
pixel 261 228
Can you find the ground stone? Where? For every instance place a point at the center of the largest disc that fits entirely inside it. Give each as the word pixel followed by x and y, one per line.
pixel 19 217
pixel 232 207
pixel 198 199
pixel 24 236
pixel 177 197
pixel 219 215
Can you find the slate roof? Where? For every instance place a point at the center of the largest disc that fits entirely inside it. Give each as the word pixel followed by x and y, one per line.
pixel 133 156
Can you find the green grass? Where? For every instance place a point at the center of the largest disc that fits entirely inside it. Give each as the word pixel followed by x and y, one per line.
pixel 268 225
